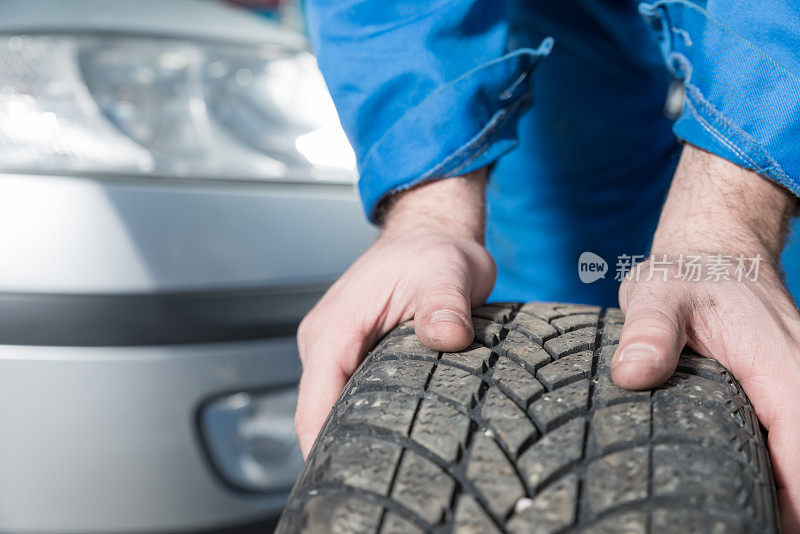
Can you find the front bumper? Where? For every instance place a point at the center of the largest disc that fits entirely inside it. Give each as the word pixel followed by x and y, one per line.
pixel 105 439
pixel 125 305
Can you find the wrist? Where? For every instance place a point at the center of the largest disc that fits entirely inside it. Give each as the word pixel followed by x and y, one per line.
pixel 453 206
pixel 714 206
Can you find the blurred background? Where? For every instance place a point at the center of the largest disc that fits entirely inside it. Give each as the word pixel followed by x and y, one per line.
pixel 175 193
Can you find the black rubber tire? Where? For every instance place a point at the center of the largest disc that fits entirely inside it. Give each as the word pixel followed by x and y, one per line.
pixel 526 432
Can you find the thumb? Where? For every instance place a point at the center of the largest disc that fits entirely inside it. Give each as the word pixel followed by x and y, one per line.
pixel 443 318
pixel 652 338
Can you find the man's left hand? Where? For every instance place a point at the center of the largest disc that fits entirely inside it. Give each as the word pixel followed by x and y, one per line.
pixel 747 321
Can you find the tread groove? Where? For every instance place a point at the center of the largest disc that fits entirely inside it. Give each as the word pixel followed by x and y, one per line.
pixel 403 451
pixel 596 348
pixel 464 456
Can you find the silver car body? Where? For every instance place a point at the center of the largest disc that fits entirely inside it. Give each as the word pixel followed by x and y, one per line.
pixel 128 303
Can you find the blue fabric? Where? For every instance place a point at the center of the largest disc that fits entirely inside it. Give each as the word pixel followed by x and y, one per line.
pixel 740 62
pixel 424 89
pixel 595 154
pixel 430 89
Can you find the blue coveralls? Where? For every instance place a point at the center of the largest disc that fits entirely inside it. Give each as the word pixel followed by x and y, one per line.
pixel 436 88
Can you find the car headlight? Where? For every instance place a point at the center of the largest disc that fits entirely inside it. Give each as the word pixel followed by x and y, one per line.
pixel 251 441
pixel 105 104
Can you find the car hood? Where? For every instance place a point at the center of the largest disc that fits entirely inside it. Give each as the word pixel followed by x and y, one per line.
pixel 205 19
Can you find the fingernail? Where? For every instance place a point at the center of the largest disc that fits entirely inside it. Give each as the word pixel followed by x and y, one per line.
pixel 637 353
pixel 447 316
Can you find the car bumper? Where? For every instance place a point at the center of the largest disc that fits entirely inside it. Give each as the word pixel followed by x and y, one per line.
pixel 125 305
pixel 105 439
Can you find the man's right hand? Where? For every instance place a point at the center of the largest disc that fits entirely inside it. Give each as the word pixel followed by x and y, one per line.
pixel 429 263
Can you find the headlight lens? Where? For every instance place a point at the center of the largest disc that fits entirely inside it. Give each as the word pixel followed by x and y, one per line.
pixel 251 439
pixel 166 107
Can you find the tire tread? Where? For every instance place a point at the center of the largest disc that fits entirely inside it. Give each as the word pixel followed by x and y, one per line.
pixel 524 431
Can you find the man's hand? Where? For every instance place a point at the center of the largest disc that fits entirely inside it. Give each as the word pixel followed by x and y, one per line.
pixel 429 263
pixel 751 327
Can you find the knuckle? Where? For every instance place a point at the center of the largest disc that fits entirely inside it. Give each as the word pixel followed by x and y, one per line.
pixel 636 293
pixel 655 319
pixel 448 250
pixel 627 284
pixel 490 265
pixel 625 290
pixel 454 288
pixel 449 293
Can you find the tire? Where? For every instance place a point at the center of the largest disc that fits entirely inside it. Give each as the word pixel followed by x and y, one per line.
pixel 526 432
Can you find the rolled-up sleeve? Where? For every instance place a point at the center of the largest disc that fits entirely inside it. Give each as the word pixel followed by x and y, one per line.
pixel 740 64
pixel 424 89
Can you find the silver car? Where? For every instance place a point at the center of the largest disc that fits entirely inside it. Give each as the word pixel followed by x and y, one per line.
pixel 175 193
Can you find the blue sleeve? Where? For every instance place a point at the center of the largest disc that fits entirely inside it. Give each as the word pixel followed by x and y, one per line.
pixel 740 63
pixel 424 89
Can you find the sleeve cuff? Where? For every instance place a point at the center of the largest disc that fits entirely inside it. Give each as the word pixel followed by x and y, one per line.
pixel 461 127
pixel 740 88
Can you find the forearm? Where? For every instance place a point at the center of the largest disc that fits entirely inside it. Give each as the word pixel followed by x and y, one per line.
pixel 714 204
pixel 452 205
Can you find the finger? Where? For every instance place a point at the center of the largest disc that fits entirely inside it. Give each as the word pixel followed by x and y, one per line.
pixel 320 385
pixel 652 338
pixel 443 318
pixel 330 353
pixel 784 442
